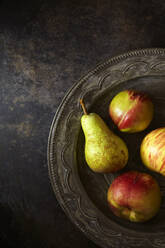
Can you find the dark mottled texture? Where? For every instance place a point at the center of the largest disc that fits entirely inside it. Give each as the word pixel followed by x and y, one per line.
pixel 45 47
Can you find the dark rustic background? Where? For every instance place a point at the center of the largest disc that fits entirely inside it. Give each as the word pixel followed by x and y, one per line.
pixel 46 46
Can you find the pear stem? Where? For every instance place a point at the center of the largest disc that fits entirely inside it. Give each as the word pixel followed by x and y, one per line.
pixel 83 107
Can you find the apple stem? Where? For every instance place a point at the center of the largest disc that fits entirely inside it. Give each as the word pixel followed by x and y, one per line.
pixel 83 107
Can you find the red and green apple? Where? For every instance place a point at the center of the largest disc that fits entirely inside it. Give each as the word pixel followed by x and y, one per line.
pixel 131 111
pixel 134 196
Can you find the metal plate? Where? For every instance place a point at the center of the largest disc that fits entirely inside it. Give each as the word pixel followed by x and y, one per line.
pixel 81 192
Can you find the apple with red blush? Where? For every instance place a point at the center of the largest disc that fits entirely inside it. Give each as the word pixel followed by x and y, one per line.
pixel 134 196
pixel 152 150
pixel 131 111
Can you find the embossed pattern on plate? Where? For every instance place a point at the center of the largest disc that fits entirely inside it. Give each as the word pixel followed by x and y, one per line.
pixel 82 193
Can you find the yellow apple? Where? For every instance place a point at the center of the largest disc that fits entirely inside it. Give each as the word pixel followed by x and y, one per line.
pixel 152 150
pixel 131 111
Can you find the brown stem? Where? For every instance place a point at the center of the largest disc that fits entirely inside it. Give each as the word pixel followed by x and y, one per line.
pixel 83 107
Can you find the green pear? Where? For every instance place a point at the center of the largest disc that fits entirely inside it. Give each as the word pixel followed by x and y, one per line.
pixel 105 152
